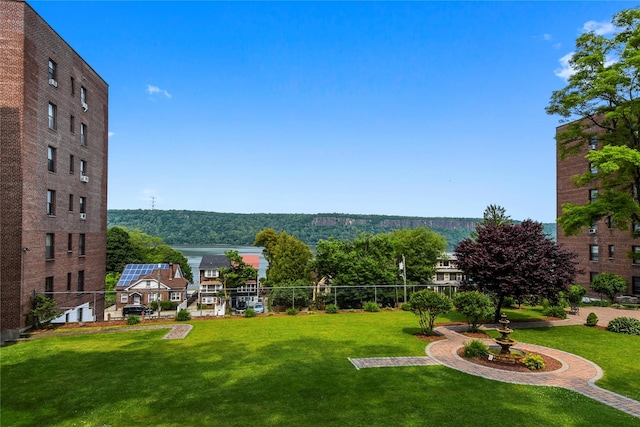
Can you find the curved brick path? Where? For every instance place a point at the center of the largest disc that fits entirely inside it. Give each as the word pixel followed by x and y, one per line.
pixel 577 373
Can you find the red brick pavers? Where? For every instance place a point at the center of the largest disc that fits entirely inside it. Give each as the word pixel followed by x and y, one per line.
pixel 577 373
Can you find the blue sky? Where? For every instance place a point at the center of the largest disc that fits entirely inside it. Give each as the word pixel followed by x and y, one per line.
pixel 418 108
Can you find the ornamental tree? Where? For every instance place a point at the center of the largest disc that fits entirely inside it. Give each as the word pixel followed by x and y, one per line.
pixel 429 305
pixel 475 306
pixel 515 260
pixel 609 284
pixel 601 106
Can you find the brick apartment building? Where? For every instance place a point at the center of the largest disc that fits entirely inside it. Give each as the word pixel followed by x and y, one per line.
pixel 601 248
pixel 53 173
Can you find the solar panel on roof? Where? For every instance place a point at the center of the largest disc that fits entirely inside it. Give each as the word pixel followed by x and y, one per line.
pixel 134 271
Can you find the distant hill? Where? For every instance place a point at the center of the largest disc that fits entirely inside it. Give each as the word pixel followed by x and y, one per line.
pixel 208 228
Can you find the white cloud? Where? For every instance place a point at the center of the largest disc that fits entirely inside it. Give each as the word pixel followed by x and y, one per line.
pixel 565 71
pixel 110 134
pixel 547 37
pixel 598 28
pixel 152 90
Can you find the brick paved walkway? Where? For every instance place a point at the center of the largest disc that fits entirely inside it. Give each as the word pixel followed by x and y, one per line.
pixel 386 362
pixel 577 373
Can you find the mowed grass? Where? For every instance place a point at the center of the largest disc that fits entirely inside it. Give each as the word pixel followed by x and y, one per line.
pixel 281 370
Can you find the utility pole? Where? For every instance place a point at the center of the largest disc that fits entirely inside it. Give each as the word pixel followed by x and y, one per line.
pixel 403 267
pixel 158 296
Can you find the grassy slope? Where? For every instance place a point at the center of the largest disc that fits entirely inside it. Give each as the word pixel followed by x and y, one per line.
pixel 272 371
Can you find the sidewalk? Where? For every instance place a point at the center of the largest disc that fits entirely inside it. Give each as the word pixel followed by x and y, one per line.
pixel 577 373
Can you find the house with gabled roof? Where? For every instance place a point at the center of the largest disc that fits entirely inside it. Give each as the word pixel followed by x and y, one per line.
pixel 211 286
pixel 146 283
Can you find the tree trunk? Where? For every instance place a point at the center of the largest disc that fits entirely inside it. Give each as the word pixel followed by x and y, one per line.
pixel 496 315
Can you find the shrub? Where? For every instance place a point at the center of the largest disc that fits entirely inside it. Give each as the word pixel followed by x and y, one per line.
pixel 133 320
pixel 509 302
pixel 475 348
pixel 475 306
pixel 592 319
pixel 624 325
pixel 406 306
pixel 183 315
pixel 575 295
pixel 291 311
pixel 600 303
pixel 429 305
pixel 555 311
pixel 250 312
pixel 371 306
pixel 332 309
pixel 533 361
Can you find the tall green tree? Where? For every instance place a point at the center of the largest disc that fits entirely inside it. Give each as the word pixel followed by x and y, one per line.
pixel 422 248
pixel 601 103
pixel 236 275
pixel 289 259
pixel 120 250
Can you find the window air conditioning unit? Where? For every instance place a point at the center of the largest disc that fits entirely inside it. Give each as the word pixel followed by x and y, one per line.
pixel 83 216
pixel 593 230
pixel 84 178
pixel 53 82
pixel 85 107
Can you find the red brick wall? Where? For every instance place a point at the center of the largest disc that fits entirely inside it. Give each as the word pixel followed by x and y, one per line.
pixel 622 240
pixel 28 44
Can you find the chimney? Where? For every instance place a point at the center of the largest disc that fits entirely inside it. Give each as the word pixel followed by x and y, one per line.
pixel 171 271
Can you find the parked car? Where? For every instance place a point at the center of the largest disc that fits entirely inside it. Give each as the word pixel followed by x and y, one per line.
pixel 258 308
pixel 136 309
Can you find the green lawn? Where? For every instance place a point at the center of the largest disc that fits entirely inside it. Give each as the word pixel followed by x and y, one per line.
pixel 289 370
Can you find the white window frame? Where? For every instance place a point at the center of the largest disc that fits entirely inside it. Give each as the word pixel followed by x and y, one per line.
pixel 124 298
pixel 176 296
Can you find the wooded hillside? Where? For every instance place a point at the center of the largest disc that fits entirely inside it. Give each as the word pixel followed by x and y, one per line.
pixel 208 228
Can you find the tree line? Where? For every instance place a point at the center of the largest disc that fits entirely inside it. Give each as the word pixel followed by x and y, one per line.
pixel 177 227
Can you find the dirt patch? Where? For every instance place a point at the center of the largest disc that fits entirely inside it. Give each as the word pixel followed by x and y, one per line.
pixel 550 364
pixel 478 335
pixel 430 338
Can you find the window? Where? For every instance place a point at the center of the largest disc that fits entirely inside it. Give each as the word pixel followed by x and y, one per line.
pixel 635 254
pixel 612 251
pixel 593 252
pixel 81 244
pixel 610 222
pixel 49 245
pixel 124 298
pixel 70 202
pixel 175 296
pixel 83 134
pixel 72 161
pixel 73 86
pixel 153 297
pixel 444 263
pixel 592 275
pixel 636 285
pixel 593 168
pixel 72 124
pixel 52 116
pixel 593 144
pixel 83 205
pixel 51 202
pixel 81 281
pixel 53 74
pixel 83 98
pixel 48 286
pixel 68 281
pixel 70 242
pixel 593 195
pixel 51 159
pixel 211 273
pixel 83 167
